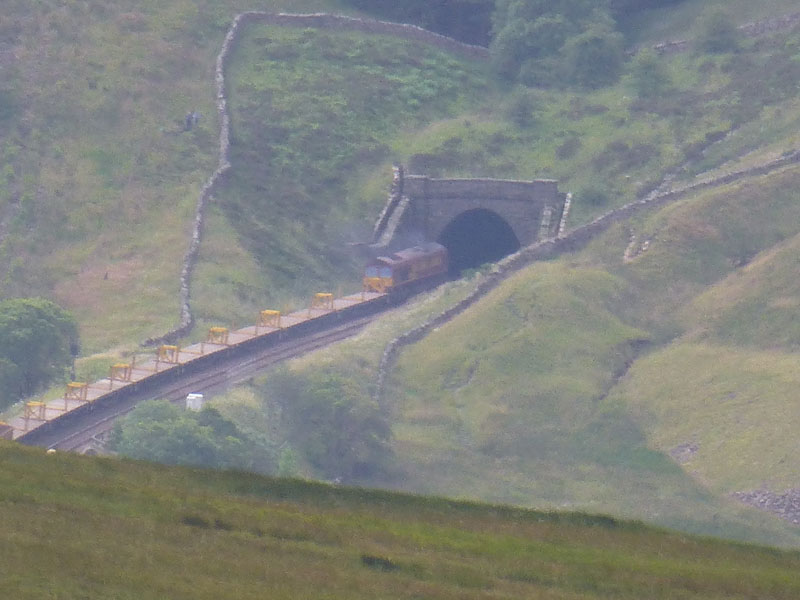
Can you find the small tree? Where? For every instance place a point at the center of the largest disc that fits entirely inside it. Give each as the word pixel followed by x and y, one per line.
pixel 36 342
pixel 338 428
pixel 530 36
pixel 649 75
pixel 718 32
pixel 162 432
pixel 595 57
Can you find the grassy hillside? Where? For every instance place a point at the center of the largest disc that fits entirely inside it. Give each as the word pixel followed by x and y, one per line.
pixel 99 183
pixel 679 21
pixel 313 111
pixel 195 534
pixel 755 306
pixel 518 399
pixel 614 145
pixel 725 412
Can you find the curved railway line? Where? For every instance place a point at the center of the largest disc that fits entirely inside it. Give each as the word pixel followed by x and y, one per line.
pixel 81 435
pixel 86 411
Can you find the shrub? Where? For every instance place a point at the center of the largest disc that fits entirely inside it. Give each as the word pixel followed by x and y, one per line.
pixel 568 148
pixel 37 342
pixel 596 195
pixel 595 57
pixel 159 431
pixel 339 429
pixel 522 107
pixel 718 32
pixel 649 75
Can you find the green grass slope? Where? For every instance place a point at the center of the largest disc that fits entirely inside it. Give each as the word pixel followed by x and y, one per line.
pixel 312 112
pixel 728 414
pixel 755 306
pixel 720 398
pixel 691 248
pixel 515 401
pixel 99 184
pixel 195 534
pixel 520 399
pixel 507 403
pixel 679 21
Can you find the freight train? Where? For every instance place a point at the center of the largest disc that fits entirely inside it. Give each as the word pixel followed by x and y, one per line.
pixel 387 280
pixel 407 270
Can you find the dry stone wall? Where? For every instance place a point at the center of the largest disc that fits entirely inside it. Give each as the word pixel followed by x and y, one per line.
pixel 319 21
pixel 756 29
pixel 342 23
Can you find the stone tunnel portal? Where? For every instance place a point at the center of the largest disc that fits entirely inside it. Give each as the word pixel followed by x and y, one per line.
pixel 476 237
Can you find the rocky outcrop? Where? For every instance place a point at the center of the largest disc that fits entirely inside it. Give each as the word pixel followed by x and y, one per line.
pixel 786 505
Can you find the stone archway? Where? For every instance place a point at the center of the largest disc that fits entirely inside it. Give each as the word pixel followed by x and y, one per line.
pixel 476 237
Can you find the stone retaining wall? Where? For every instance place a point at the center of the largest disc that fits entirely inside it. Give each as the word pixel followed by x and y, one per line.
pixel 756 29
pixel 507 189
pixel 395 195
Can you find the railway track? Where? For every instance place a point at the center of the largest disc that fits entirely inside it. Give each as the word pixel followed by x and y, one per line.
pixel 81 433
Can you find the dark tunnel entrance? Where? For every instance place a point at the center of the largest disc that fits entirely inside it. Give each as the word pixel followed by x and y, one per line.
pixel 476 237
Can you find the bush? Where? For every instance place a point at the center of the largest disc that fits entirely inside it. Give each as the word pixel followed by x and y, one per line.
pixel 331 419
pixel 595 57
pixel 160 431
pixel 718 32
pixel 37 341
pixel 649 75
pixel 593 196
pixel 569 148
pixel 542 43
pixel 522 107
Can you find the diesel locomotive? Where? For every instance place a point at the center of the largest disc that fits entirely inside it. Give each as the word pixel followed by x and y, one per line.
pixel 407 271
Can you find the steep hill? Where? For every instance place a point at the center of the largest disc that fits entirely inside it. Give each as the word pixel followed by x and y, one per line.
pixel 570 384
pixel 77 527
pixel 591 380
pixel 99 180
pixel 524 399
